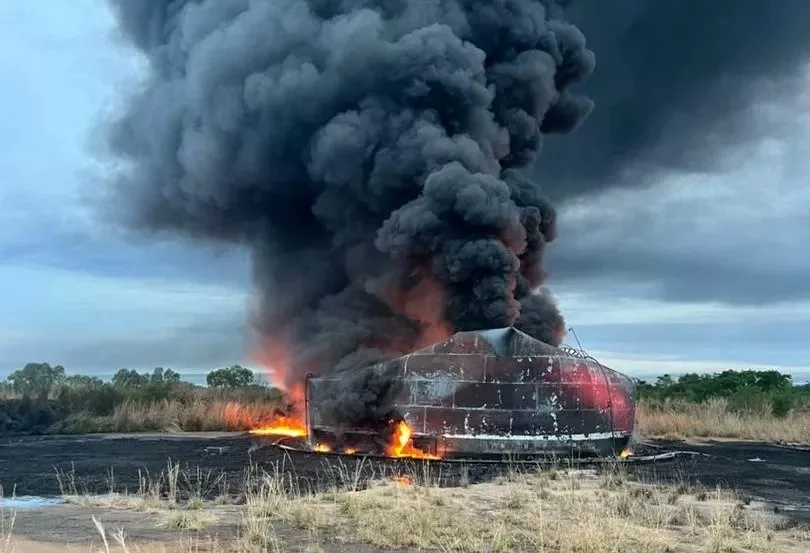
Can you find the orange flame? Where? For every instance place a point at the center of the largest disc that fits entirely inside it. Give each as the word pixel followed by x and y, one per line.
pixel 272 355
pixel 401 445
pixel 281 426
pixel 263 421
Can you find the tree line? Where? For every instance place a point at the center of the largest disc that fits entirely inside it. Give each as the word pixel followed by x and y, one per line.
pixel 41 380
pixel 743 390
pixel 40 396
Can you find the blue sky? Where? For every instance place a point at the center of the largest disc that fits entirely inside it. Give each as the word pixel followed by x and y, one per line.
pixel 702 272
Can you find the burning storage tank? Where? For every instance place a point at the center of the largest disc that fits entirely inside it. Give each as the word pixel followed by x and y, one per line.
pixel 496 392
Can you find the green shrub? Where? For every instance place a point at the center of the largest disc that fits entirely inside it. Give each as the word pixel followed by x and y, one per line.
pixel 782 404
pixel 749 402
pixel 96 399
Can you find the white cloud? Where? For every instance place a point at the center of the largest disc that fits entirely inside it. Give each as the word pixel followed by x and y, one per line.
pixel 44 301
pixel 98 324
pixel 66 72
pixel 593 307
pixel 650 365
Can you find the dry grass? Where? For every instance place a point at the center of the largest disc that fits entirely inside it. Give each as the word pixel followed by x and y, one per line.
pixel 178 496
pixel 187 520
pixel 7 519
pixel 580 512
pixel 116 541
pixel 197 415
pixel 560 511
pixel 678 420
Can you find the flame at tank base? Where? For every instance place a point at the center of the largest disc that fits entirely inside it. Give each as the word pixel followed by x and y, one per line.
pixel 497 393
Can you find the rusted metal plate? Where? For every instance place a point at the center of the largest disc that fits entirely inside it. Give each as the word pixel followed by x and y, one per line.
pixel 501 391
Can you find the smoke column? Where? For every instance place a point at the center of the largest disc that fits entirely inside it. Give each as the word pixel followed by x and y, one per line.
pixel 372 156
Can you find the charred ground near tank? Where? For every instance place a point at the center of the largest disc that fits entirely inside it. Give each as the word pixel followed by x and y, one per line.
pixel 28 465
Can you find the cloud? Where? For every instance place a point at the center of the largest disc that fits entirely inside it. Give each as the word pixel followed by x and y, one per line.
pixel 650 366
pixel 47 299
pixel 654 336
pixel 743 343
pixel 674 84
pixel 600 306
pixel 197 348
pixel 100 323
pixel 736 237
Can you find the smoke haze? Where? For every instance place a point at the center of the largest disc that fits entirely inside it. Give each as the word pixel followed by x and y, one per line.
pixel 371 155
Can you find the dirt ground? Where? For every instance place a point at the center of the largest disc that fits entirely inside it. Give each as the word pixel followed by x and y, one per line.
pixel 37 531
pixel 777 475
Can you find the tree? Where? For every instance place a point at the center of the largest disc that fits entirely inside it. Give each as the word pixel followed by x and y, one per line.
pixel 129 379
pixel 154 386
pixel 80 381
pixel 36 380
pixel 664 381
pixel 163 377
pixel 90 394
pixel 235 376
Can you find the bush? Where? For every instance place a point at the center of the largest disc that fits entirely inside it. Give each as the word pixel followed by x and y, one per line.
pixel 40 398
pixel 749 402
pixel 98 400
pixel 26 415
pixel 782 404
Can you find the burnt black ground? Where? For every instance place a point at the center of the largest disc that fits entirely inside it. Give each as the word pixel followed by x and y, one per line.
pixel 780 476
pixel 776 474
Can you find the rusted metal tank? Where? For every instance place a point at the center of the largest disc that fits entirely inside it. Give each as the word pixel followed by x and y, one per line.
pixel 501 392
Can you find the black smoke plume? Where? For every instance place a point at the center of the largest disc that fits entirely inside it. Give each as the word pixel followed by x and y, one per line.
pixel 371 154
pixel 363 396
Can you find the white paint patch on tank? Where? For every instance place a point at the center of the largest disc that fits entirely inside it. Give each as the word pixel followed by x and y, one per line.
pixel 546 437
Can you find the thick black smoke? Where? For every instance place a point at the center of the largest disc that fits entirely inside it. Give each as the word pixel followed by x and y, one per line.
pixel 363 396
pixel 674 86
pixel 371 155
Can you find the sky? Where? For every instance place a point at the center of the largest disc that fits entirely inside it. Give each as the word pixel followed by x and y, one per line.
pixel 689 272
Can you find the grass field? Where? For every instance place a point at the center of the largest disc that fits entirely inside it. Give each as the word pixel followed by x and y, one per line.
pixel 714 419
pixel 198 415
pixel 553 510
